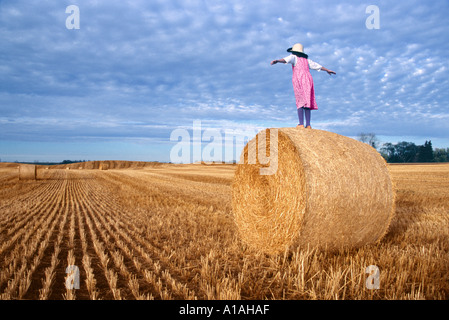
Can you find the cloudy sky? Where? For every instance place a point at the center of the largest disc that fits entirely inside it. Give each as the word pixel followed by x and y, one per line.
pixel 135 71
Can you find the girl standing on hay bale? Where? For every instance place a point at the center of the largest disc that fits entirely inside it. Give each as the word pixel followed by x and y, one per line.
pixel 302 81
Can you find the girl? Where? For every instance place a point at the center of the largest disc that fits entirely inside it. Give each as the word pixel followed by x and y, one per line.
pixel 302 81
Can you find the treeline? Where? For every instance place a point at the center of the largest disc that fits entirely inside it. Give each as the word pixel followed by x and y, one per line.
pixel 51 163
pixel 406 152
pixel 410 152
pixel 72 161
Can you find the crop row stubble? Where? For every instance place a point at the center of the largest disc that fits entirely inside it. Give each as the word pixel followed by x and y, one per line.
pixel 167 233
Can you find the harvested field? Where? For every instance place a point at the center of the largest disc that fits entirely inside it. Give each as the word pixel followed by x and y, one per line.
pixel 167 232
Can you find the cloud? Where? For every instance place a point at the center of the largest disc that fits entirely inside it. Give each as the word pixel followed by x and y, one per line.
pixel 139 69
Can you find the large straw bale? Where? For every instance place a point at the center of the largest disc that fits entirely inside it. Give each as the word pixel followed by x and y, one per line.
pixel 327 191
pixel 27 172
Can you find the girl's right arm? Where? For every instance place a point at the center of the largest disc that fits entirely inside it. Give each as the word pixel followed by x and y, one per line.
pixel 278 61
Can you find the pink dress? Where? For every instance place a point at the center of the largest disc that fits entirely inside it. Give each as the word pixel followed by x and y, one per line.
pixel 303 85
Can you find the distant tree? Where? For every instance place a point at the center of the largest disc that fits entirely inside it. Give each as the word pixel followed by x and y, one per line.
pixel 70 161
pixel 407 151
pixel 369 138
pixel 387 151
pixel 425 152
pixel 400 152
pixel 441 155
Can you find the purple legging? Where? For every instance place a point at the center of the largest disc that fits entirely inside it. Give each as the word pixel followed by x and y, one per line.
pixel 301 116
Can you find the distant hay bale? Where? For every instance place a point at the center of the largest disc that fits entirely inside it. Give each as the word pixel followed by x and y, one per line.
pixel 27 172
pixel 103 166
pixel 328 191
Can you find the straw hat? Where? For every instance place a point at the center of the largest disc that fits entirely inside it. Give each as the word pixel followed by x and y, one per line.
pixel 296 48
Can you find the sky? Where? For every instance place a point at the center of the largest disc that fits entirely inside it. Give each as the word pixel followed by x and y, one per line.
pixel 129 79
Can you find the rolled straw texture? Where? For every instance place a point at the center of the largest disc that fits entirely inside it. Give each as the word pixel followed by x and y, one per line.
pixel 27 172
pixel 328 191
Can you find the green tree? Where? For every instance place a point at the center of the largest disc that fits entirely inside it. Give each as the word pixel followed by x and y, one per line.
pixel 425 152
pixel 387 151
pixel 400 152
pixel 441 155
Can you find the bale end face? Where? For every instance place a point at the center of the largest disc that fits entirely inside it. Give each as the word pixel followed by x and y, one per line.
pixel 27 172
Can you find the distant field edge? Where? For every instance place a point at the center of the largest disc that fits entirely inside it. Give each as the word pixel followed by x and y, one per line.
pixel 108 164
pixel 417 163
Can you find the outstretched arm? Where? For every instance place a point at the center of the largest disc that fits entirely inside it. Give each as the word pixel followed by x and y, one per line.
pixel 328 71
pixel 278 61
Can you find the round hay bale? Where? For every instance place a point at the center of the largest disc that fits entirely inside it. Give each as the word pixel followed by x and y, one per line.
pixel 27 172
pixel 326 190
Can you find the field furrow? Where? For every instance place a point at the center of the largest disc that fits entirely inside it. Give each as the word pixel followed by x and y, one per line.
pixel 154 243
pixel 23 253
pixel 28 207
pixel 167 232
pixel 135 259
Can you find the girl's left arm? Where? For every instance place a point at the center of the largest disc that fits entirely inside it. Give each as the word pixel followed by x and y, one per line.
pixel 330 72
pixel 319 67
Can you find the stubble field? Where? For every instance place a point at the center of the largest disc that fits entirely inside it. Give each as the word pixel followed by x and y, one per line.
pixel 167 232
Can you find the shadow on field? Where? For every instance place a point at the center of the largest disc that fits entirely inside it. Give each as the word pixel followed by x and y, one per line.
pixel 408 212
